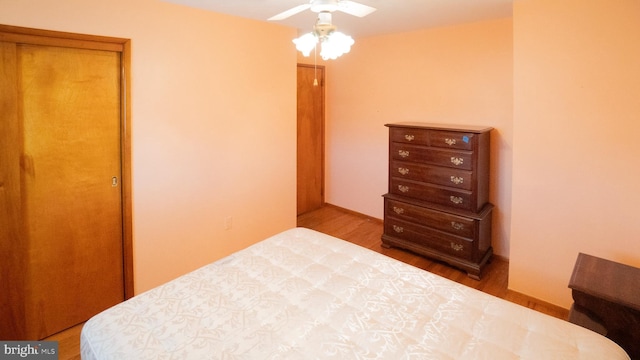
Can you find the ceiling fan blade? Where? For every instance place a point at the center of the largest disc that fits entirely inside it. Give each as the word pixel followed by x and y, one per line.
pixel 285 14
pixel 354 8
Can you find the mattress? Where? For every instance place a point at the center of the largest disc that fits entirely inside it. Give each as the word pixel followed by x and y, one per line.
pixel 302 294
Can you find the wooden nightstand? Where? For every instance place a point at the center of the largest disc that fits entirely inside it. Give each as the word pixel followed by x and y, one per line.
pixel 606 299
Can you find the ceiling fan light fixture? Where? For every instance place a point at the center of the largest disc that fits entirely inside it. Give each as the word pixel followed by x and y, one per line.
pixel 306 43
pixel 334 45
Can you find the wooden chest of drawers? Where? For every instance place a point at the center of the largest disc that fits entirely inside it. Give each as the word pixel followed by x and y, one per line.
pixel 437 203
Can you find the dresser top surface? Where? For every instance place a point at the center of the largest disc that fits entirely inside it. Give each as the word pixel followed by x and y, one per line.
pixel 435 126
pixel 607 280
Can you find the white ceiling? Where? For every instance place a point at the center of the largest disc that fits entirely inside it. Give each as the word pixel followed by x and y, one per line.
pixel 392 16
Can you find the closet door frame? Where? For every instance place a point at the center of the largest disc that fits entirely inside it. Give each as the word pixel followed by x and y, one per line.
pixel 31 36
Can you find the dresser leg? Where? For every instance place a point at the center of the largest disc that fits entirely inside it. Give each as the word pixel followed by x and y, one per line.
pixel 474 276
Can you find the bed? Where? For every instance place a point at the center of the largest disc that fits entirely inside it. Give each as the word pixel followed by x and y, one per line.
pixel 302 294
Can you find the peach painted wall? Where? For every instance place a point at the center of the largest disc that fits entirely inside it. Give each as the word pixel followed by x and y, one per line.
pixel 213 124
pixel 458 75
pixel 576 152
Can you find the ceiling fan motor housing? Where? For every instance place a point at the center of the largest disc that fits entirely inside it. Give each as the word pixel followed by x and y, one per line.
pixel 320 6
pixel 323 25
pixel 324 18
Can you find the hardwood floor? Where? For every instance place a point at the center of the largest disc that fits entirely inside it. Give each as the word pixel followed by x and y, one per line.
pixel 366 232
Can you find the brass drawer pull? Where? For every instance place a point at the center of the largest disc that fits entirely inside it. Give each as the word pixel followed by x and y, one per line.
pixel 403 153
pixel 457 180
pixel 409 137
pixel 398 229
pixel 398 210
pixel 457 247
pixel 403 171
pixel 457 225
pixel 450 142
pixel 457 161
pixel 403 188
pixel 456 199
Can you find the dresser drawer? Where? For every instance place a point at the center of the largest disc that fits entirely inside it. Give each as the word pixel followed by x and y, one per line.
pixel 455 199
pixel 431 238
pixel 409 135
pixel 452 140
pixel 450 158
pixel 459 179
pixel 457 225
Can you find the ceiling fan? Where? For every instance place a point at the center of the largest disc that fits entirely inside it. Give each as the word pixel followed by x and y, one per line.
pixel 324 6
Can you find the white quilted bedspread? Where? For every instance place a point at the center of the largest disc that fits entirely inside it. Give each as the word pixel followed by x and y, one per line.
pixel 305 295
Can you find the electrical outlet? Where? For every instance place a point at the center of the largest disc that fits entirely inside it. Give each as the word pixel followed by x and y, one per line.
pixel 228 223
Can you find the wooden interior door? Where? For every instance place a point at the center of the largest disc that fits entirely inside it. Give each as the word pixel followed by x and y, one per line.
pixel 64 201
pixel 310 159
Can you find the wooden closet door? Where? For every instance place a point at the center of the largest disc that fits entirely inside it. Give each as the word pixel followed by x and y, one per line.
pixel 70 199
pixel 12 243
pixel 310 154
